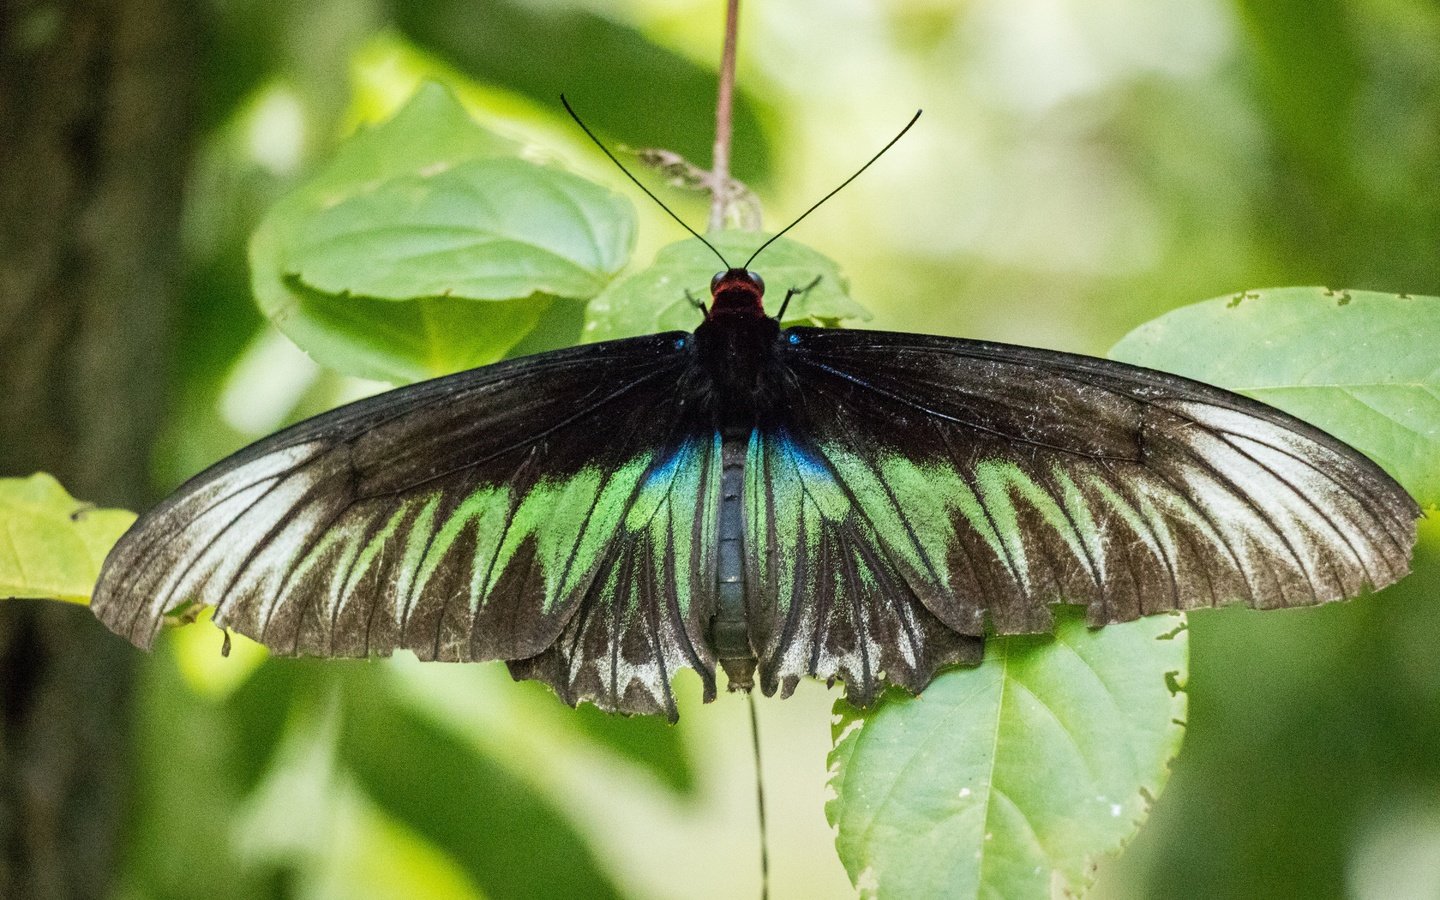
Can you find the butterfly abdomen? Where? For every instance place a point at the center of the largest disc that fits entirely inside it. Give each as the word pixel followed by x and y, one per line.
pixel 729 631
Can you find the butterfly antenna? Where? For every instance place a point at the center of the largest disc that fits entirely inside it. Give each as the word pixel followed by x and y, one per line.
pixel 606 150
pixel 807 212
pixel 760 800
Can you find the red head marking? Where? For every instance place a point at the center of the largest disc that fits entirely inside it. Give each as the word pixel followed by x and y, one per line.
pixel 737 292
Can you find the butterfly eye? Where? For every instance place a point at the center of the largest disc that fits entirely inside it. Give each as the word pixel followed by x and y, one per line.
pixel 715 282
pixel 756 280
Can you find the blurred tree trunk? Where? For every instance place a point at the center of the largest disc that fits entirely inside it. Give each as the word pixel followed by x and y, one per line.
pixel 96 102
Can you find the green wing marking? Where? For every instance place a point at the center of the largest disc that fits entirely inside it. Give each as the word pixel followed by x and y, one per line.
pixel 542 511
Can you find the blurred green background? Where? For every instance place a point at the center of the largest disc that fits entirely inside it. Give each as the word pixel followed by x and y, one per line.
pixel 1081 167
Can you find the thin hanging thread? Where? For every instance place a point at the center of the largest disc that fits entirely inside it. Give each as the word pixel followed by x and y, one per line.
pixel 760 800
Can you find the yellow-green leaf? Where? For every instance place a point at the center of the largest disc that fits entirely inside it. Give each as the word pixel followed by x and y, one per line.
pixel 53 544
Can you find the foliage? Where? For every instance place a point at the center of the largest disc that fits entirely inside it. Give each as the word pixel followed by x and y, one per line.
pixel 423 248
pixel 1357 364
pixel 629 306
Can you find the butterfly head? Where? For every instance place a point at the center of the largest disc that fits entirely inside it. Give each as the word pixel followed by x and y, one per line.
pixel 737 292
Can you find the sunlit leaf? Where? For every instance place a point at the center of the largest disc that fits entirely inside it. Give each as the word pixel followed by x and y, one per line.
pixel 425 247
pixel 1360 365
pixel 215 663
pixel 655 299
pixel 379 859
pixel 53 544
pixel 1011 779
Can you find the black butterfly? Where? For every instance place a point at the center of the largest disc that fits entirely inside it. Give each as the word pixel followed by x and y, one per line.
pixel 853 505
pixel 801 501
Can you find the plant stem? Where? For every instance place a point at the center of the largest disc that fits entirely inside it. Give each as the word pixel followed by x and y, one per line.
pixel 724 111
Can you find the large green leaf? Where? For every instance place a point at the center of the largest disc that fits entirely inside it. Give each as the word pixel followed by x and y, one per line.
pixel 425 247
pixel 1010 779
pixel 53 544
pixel 1363 366
pixel 655 299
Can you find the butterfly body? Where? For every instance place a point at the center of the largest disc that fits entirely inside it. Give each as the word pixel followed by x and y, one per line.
pixel 859 506
pixel 736 348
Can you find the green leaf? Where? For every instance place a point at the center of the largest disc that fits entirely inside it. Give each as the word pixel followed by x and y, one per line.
pixel 1008 780
pixel 654 299
pixel 424 247
pixel 53 544
pixel 277 693
pixel 408 341
pixel 1360 365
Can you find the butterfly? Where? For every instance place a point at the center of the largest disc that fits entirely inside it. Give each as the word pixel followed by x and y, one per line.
pixel 782 502
pixel 779 503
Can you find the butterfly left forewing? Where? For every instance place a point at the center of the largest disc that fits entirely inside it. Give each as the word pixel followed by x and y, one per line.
pixel 1000 480
pixel 465 518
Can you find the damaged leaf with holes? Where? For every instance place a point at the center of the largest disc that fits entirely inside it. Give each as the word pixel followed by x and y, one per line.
pixel 1019 774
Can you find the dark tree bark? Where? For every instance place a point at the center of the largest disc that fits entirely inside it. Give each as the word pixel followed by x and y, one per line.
pixel 96 116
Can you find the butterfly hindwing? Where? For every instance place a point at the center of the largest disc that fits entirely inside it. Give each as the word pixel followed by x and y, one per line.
pixel 1000 480
pixel 472 517
pixel 647 611
pixel 825 597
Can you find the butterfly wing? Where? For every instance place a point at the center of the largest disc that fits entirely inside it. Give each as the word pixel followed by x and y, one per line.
pixel 555 511
pixel 989 481
pixel 824 595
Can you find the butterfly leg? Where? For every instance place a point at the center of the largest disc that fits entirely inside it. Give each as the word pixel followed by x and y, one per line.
pixel 697 303
pixel 792 293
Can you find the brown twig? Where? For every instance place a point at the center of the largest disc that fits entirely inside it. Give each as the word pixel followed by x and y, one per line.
pixel 724 113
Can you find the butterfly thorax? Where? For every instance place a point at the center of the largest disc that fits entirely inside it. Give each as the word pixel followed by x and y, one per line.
pixel 737 341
